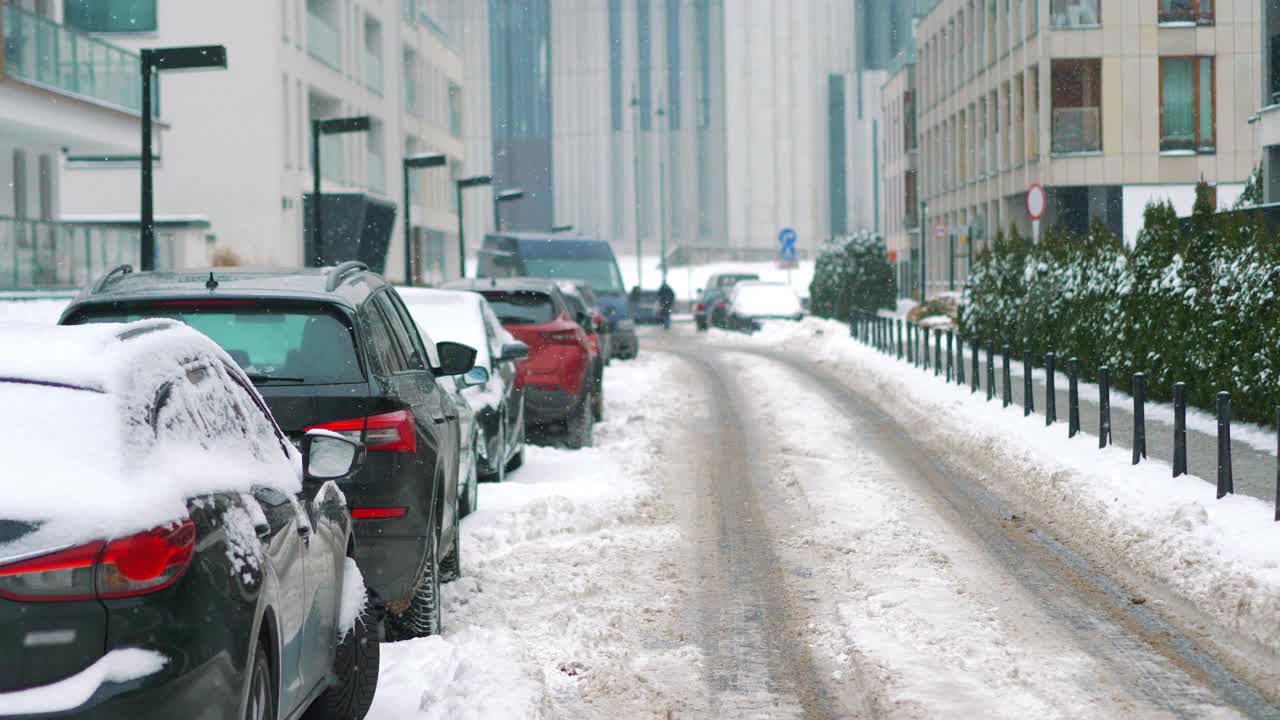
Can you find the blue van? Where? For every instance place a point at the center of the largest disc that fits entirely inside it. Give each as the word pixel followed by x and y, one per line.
pixel 566 257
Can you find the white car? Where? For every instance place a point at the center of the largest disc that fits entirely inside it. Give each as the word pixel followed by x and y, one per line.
pixel 753 301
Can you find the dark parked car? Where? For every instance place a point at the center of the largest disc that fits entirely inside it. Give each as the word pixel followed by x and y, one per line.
pixel 335 349
pixel 557 376
pixel 752 302
pixel 164 550
pixel 644 307
pixel 711 309
pixel 726 281
pixel 498 402
pixel 600 323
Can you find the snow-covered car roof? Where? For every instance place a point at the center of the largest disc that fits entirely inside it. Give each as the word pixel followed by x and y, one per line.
pixel 89 449
pixel 450 315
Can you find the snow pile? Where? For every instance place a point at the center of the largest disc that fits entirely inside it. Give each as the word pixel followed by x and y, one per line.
pixel 568 575
pixel 44 311
pixel 117 666
pixel 1221 556
pixel 760 299
pixel 354 597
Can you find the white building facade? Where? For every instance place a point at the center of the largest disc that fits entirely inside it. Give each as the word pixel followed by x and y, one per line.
pixel 239 151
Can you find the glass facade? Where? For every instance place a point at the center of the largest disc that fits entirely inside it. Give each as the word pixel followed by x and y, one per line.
pixel 616 111
pixel 108 16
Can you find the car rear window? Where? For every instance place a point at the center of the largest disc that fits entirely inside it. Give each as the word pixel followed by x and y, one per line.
pixel 522 307
pixel 311 346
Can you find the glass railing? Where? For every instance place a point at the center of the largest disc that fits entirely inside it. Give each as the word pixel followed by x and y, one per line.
pixel 377 174
pixel 38 50
pixel 1077 130
pixel 323 43
pixel 331 158
pixel 40 255
pixel 373 72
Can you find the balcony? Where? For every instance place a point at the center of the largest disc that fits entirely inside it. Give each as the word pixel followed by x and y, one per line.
pixel 1077 130
pixel 36 254
pixel 373 71
pixel 377 174
pixel 322 41
pixel 38 51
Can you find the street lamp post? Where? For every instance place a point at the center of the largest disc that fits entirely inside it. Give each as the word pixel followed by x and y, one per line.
pixel 413 162
pixel 320 128
pixel 463 184
pixel 152 61
pixel 662 192
pixel 635 175
pixel 557 229
pixel 508 195
pixel 924 250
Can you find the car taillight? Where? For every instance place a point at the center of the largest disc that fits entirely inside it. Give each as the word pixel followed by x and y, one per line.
pixel 134 565
pixel 388 432
pixel 700 307
pixel 561 337
pixel 378 513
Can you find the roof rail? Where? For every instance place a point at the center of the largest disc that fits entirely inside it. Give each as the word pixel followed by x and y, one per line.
pixel 119 270
pixel 340 271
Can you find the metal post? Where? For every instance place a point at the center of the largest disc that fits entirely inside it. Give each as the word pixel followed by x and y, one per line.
pixel 1139 417
pixel 960 379
pixel 991 371
pixel 662 196
pixel 924 250
pixel 1073 397
pixel 1006 377
pixel 635 173
pixel 951 260
pixel 937 351
pixel 1226 484
pixel 1278 464
pixel 148 219
pixel 898 323
pixel 313 252
pixel 1179 429
pixel 950 361
pixel 408 228
pixel 1050 393
pixel 462 235
pixel 924 334
pixel 973 378
pixel 1104 406
pixel 1028 387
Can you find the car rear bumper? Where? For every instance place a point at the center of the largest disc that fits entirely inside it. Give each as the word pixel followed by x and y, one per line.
pixel 166 694
pixel 544 406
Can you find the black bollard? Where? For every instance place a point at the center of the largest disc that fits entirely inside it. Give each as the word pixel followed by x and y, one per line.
pixel 991 371
pixel 1226 485
pixel 1028 387
pixel 1073 397
pixel 950 362
pixel 1006 377
pixel 937 351
pixel 1179 429
pixel 1278 464
pixel 1139 417
pixel 911 356
pixel 1104 406
pixel 1050 391
pixel 924 337
pixel 960 361
pixel 973 380
pixel 898 324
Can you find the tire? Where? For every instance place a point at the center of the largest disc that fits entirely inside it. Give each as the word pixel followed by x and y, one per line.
pixel 422 617
pixel 471 499
pixel 516 460
pixel 260 700
pixel 578 432
pixel 597 402
pixel 451 564
pixel 355 673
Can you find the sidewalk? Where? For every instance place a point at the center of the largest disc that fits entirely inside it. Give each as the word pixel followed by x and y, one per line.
pixel 1253 448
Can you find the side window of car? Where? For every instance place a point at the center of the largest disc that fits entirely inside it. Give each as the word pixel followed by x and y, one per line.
pixel 405 349
pixel 262 427
pixel 419 339
pixel 492 330
pixel 382 352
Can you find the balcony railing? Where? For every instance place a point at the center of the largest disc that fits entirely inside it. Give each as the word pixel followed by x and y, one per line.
pixel 331 158
pixel 373 72
pixel 377 174
pixel 40 51
pixel 40 255
pixel 1077 130
pixel 323 42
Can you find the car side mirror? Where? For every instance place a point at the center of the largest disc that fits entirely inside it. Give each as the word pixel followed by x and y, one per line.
pixel 475 376
pixel 513 351
pixel 585 321
pixel 327 455
pixel 455 358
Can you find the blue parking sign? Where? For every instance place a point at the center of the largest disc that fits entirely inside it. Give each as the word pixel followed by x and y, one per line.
pixel 787 244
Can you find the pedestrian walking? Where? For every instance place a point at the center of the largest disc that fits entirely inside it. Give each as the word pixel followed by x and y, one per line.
pixel 666 301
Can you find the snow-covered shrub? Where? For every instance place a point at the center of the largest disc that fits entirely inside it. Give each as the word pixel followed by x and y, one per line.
pixel 1194 304
pixel 852 273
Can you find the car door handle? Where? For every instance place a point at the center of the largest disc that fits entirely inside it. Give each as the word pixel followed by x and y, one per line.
pixel 450 417
pixel 440 420
pixel 262 529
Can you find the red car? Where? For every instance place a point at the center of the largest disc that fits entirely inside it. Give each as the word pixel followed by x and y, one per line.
pixel 561 377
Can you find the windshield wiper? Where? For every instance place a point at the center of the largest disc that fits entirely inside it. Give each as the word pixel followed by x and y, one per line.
pixel 265 378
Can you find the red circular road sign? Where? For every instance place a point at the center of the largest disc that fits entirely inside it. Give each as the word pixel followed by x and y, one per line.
pixel 1036 201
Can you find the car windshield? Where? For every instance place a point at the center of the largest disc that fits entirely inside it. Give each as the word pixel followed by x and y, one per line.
pixel 601 273
pixel 272 345
pixel 522 307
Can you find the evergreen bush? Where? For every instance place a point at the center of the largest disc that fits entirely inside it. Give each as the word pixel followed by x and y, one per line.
pixel 852 273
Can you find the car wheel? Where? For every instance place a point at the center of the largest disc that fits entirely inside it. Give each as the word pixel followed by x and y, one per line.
pixel 469 498
pixel 355 675
pixel 260 704
pixel 422 617
pixel 597 401
pixel 579 426
pixel 451 564
pixel 516 460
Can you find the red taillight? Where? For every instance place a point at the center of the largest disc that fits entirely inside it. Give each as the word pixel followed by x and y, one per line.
pixel 561 337
pixel 378 513
pixel 128 566
pixel 700 307
pixel 389 432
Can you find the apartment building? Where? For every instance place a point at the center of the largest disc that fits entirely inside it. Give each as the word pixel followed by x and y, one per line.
pixel 62 92
pixel 239 152
pixel 1108 104
pixel 1269 86
pixel 899 195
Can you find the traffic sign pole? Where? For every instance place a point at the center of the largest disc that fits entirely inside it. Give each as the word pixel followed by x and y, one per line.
pixel 1037 200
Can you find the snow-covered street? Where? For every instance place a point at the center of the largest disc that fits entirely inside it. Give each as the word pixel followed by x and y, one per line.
pixel 786 525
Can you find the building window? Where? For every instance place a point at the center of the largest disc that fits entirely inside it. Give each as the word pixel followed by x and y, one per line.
pixel 1187 120
pixel 110 16
pixel 1186 11
pixel 1075 13
pixel 1077 105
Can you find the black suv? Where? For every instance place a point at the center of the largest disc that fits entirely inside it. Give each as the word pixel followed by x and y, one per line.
pixel 335 349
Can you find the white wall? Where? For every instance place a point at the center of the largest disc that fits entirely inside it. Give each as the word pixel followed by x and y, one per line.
pixel 1183 197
